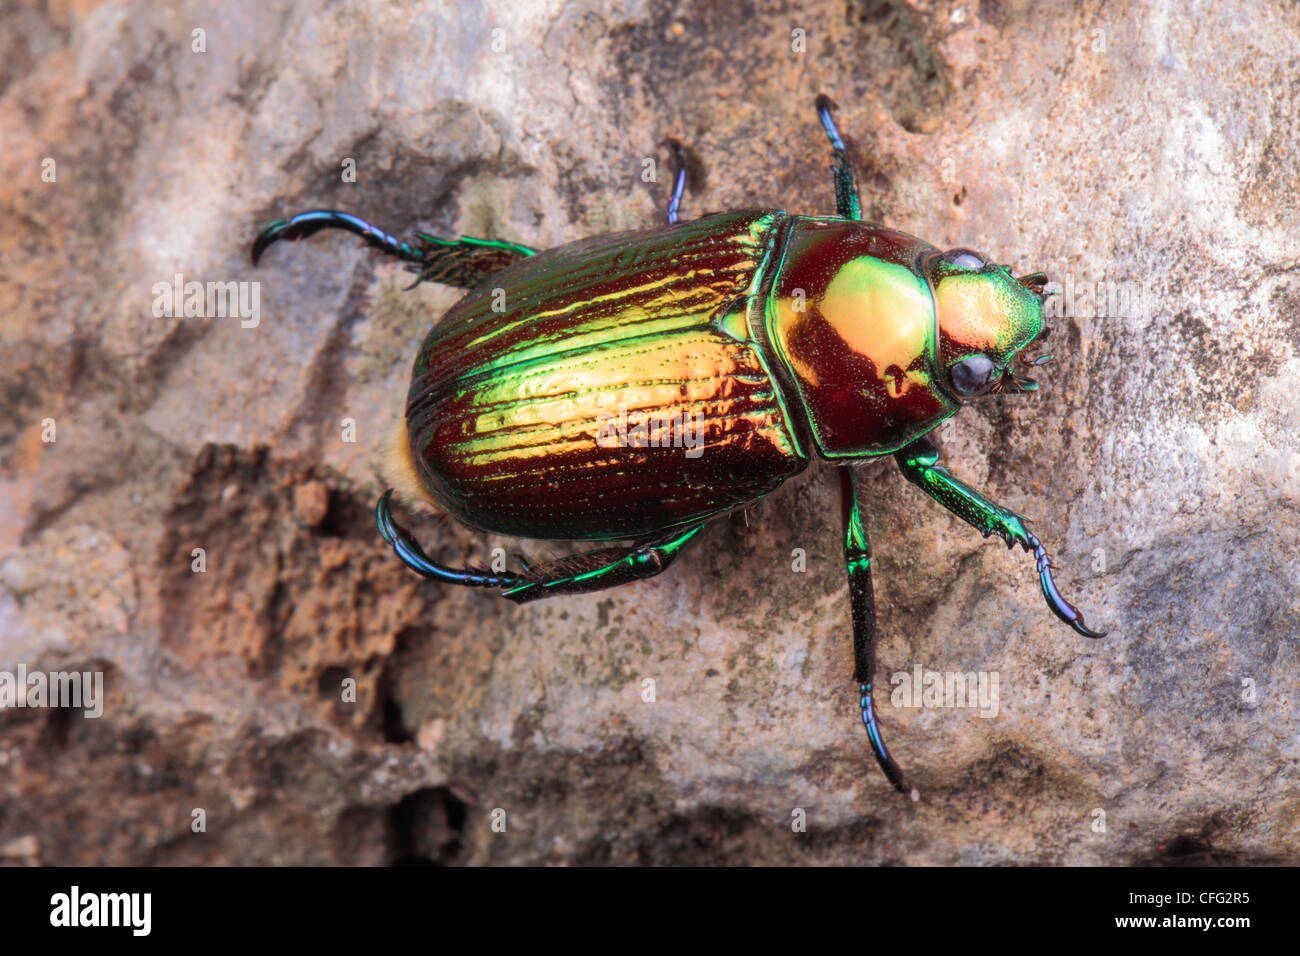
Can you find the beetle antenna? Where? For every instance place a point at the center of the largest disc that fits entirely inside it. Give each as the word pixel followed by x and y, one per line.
pixel 1035 282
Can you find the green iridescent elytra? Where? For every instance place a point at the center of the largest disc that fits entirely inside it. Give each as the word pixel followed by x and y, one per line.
pixel 638 385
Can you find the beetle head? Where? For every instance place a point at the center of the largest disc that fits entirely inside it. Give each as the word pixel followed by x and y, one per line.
pixel 985 318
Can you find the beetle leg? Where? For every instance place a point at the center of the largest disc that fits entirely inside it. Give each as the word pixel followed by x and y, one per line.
pixel 679 181
pixel 413 556
pixel 919 463
pixel 309 223
pixel 857 559
pixel 593 571
pixel 464 262
pixel 847 204
pixel 605 568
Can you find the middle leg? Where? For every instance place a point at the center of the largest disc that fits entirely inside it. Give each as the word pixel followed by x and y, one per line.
pixel 847 203
pixel 679 181
pixel 857 559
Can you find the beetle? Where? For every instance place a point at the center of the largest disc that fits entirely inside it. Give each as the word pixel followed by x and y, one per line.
pixel 778 338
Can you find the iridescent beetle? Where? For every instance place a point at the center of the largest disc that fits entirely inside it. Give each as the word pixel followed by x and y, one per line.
pixel 781 337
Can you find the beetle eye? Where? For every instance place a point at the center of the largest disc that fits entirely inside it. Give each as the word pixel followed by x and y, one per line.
pixel 965 259
pixel 971 376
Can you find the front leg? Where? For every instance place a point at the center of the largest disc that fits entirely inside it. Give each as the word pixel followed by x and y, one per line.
pixel 919 464
pixel 857 559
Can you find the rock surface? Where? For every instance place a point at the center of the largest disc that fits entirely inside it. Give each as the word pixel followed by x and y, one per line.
pixel 1147 155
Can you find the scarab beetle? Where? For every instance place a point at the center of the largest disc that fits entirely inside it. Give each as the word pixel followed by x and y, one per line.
pixel 777 337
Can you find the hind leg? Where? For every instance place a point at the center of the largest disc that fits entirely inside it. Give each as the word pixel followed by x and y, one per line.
pixel 580 574
pixel 464 262
pixel 605 568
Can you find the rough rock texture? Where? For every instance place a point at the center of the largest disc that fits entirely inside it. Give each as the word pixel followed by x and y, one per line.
pixel 1149 149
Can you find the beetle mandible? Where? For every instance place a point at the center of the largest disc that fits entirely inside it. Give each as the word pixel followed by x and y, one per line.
pixel 778 337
